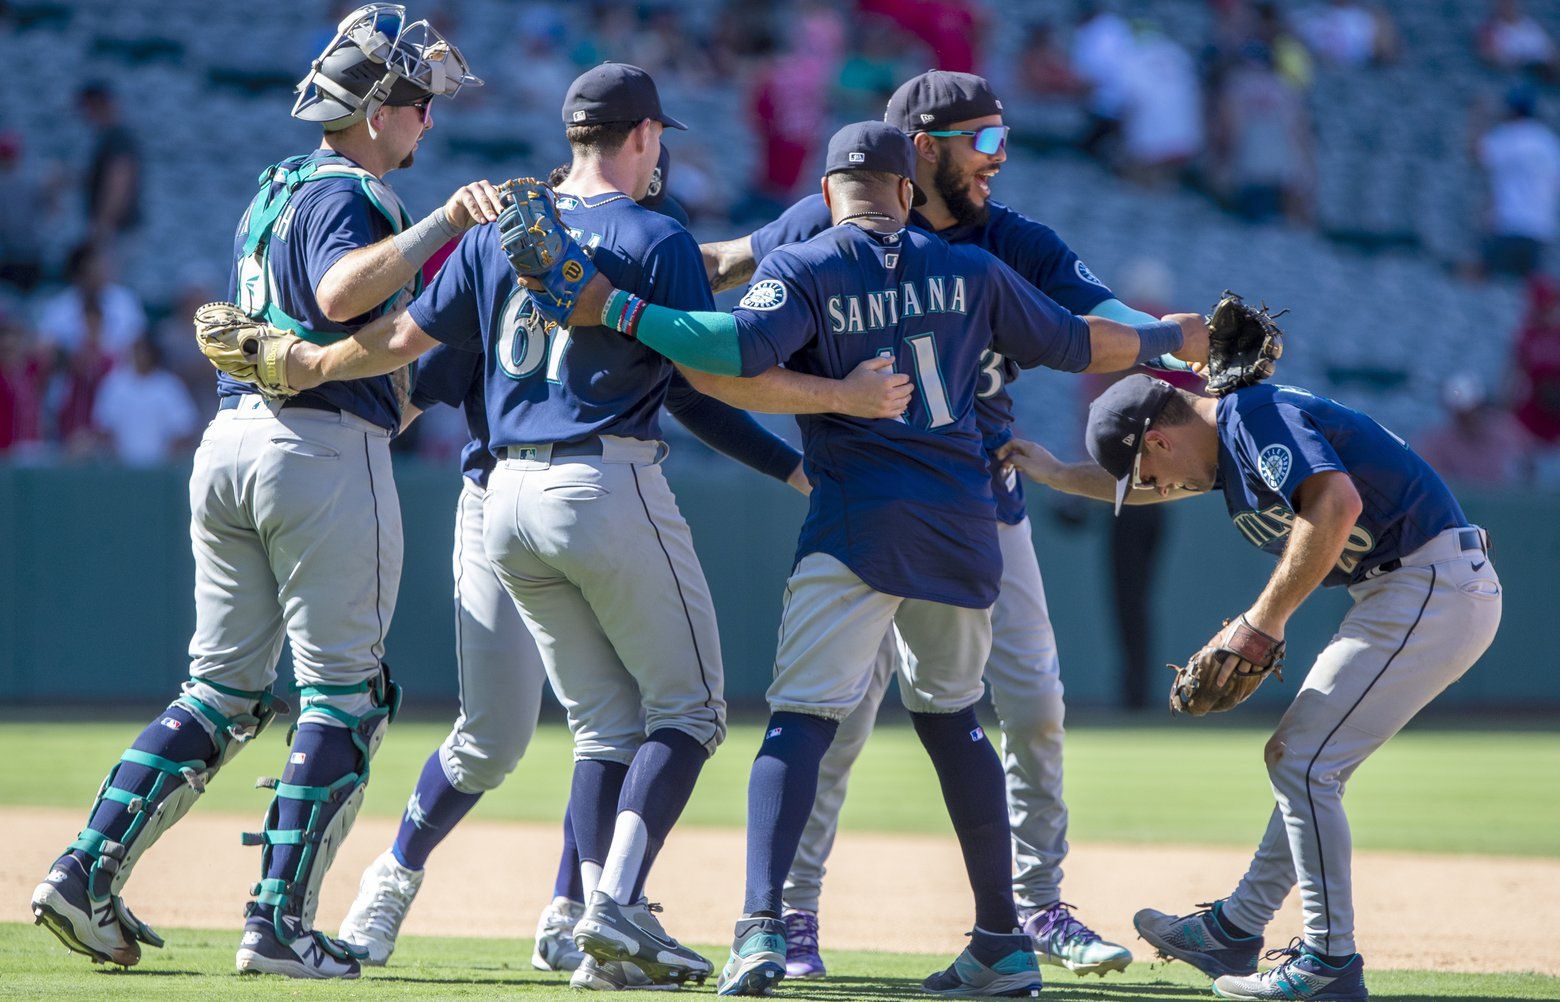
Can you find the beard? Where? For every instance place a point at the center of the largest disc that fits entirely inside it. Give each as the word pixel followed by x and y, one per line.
pixel 406 161
pixel 954 188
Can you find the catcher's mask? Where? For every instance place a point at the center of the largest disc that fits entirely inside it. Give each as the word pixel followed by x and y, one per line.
pixel 377 59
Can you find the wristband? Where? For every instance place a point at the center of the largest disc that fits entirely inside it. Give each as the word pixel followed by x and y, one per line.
pixel 418 242
pixel 629 324
pixel 1158 338
pixel 612 309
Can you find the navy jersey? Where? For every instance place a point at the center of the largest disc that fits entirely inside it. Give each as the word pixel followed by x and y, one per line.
pixel 1030 248
pixel 453 377
pixel 906 504
pixel 328 219
pixel 1272 437
pixel 562 385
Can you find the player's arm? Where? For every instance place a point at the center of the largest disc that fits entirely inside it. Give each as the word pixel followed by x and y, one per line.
pixel 377 348
pixel 362 279
pixel 1115 309
pixel 1326 506
pixel 728 263
pixel 732 432
pixel 1085 479
pixel 872 390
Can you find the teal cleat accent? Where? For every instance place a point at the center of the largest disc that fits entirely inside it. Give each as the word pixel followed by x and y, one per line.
pixel 757 961
pixel 1014 974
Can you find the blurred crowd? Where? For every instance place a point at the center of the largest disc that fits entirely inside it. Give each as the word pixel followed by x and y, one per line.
pixel 89 370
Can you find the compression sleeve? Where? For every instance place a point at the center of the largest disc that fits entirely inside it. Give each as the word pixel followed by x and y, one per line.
pixel 732 431
pixel 705 341
pixel 1115 309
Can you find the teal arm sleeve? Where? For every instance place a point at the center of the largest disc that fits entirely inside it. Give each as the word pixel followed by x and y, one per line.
pixel 1115 309
pixel 704 341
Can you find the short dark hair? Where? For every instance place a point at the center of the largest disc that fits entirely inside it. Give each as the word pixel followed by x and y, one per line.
pixel 599 137
pixel 863 183
pixel 1177 410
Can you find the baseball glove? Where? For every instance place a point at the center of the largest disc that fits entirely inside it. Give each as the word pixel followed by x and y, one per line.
pixel 1225 673
pixel 1243 344
pixel 539 246
pixel 247 349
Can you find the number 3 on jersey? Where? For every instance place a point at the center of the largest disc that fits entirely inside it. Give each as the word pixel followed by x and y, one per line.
pixel 526 339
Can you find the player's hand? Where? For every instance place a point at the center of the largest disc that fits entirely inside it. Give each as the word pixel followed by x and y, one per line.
pixel 1031 459
pixel 472 205
pixel 874 390
pixel 798 479
pixel 587 309
pixel 1194 337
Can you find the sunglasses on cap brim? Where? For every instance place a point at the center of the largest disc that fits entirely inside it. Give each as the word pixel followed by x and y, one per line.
pixel 989 140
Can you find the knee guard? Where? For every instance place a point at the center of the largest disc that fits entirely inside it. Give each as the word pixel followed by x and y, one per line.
pixel 174 790
pixel 327 810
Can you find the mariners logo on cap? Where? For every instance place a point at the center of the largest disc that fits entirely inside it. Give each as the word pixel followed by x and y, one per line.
pixel 1274 462
pixel 766 295
pixel 655 184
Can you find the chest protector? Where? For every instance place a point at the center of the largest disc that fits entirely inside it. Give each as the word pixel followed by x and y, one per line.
pixel 271 211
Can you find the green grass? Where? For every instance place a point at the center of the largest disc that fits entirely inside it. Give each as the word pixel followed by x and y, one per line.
pixel 198 964
pixel 1428 790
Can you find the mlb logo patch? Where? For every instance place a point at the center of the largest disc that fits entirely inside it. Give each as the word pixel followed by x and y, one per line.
pixel 774 733
pixel 858 158
pixel 171 723
pixel 298 758
pixel 978 734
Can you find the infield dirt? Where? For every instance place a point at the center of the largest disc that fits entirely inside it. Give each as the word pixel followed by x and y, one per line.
pixel 899 893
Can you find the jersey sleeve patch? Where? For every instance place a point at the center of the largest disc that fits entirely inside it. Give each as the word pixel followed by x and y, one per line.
pixel 1085 274
pixel 1275 462
pixel 765 296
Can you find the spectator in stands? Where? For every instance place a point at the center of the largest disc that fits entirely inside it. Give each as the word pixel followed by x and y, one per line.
pixel 1162 108
pixel 144 412
pixel 91 308
pixel 22 377
pixel 948 28
pixel 25 204
pixel 1262 141
pixel 174 333
pixel 1101 46
pixel 1512 39
pixel 1043 69
pixel 1536 364
pixel 1290 56
pixel 790 99
pixel 872 69
pixel 113 190
pixel 1347 33
pixel 1481 445
pixel 1521 161
pixel 75 376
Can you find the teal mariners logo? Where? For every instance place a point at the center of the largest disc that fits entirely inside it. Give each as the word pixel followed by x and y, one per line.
pixel 766 295
pixel 1274 463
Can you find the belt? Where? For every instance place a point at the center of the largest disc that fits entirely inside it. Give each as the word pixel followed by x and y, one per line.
pixel 591 446
pixel 1470 539
pixel 291 403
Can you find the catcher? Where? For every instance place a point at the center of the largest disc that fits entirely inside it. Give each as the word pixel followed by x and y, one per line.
pixel 1340 501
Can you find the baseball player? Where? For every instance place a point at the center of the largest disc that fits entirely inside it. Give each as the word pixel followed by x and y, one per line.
pixel 579 523
pixel 295 524
pixel 499 668
pixel 901 528
pixel 956 122
pixel 1340 501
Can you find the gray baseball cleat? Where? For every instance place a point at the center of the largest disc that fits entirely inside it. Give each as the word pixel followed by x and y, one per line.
pixel 308 954
pixel 384 895
pixel 757 961
pixel 1010 969
pixel 555 949
pixel 594 975
pixel 1302 976
pixel 610 931
pixel 99 926
pixel 1198 940
pixel 1063 941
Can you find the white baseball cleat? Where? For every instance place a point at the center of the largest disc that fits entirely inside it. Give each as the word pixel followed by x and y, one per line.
pixel 310 955
pixel 555 949
pixel 64 905
pixel 384 895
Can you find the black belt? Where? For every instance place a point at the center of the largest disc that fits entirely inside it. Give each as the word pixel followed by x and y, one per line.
pixel 1468 539
pixel 291 403
pixel 584 447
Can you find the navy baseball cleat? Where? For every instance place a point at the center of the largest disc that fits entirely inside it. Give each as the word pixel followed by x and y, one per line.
pixel 1199 940
pixel 1302 975
pixel 307 954
pixel 88 923
pixel 992 966
pixel 757 961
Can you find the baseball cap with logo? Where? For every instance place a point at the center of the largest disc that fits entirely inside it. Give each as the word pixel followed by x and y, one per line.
pixel 1118 419
pixel 874 146
pixel 937 98
pixel 614 92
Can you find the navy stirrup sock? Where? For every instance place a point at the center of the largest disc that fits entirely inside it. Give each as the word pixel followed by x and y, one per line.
pixel 781 790
pixel 567 883
pixel 974 788
pixel 433 810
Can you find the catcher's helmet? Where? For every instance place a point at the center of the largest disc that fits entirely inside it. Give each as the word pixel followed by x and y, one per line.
pixel 375 59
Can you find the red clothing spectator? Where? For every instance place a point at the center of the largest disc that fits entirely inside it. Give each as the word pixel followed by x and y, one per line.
pixel 1537 362
pixel 1481 445
pixel 22 379
pixel 948 27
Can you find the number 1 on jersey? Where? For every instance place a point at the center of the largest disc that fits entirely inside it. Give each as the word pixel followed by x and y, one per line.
pixel 928 378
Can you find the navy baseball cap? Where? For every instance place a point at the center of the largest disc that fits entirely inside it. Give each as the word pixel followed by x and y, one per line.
pixel 614 92
pixel 937 98
pixel 1117 420
pixel 875 146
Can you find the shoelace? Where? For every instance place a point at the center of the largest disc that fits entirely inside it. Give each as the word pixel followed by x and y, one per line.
pixel 801 931
pixel 389 908
pixel 1290 952
pixel 1060 922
